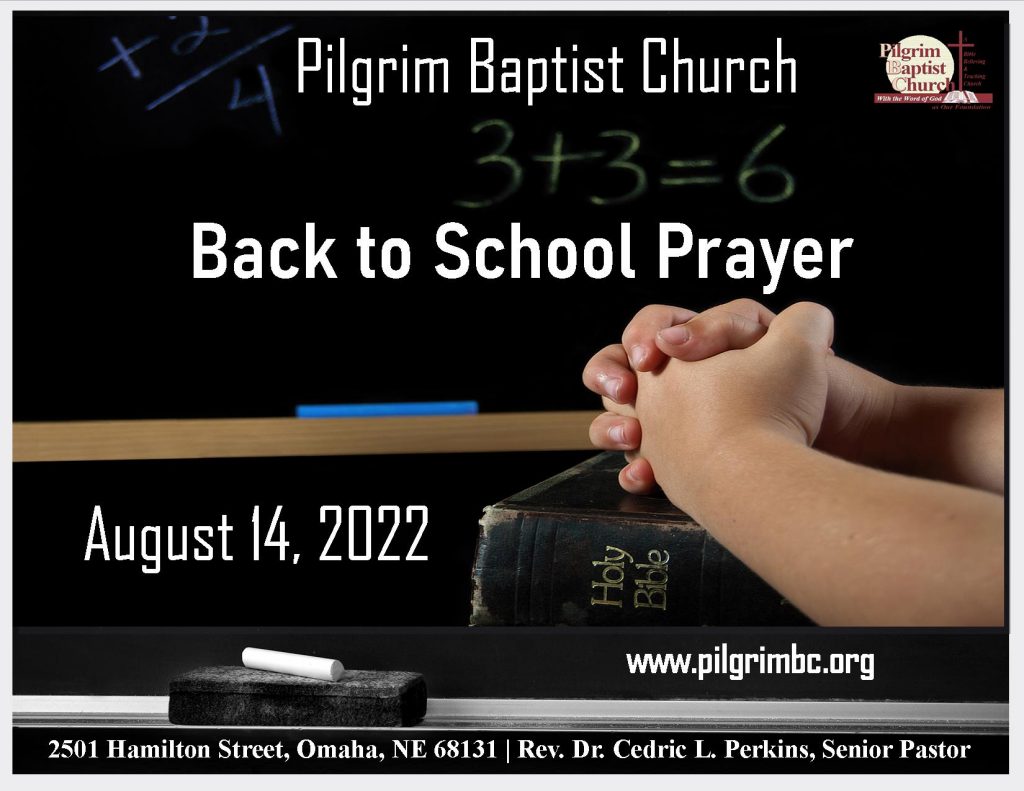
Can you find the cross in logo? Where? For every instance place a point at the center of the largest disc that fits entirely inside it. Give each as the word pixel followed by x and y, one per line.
pixel 959 46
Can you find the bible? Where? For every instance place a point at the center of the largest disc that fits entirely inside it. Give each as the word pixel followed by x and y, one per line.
pixel 577 550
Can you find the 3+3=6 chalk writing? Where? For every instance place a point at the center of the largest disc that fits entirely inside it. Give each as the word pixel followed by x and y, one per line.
pixel 756 181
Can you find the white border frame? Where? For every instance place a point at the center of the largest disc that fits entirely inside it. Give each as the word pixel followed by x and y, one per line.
pixel 1016 382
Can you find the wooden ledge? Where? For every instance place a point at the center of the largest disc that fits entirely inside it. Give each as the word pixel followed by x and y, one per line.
pixel 110 440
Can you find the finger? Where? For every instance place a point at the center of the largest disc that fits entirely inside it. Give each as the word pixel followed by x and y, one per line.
pixel 733 325
pixel 614 432
pixel 712 332
pixel 637 477
pixel 809 321
pixel 638 337
pixel 624 410
pixel 608 374
pixel 750 309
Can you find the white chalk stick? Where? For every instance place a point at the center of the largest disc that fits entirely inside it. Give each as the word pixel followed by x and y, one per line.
pixel 293 664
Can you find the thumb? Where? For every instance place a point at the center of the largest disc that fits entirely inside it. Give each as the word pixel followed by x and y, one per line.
pixel 807 321
pixel 710 333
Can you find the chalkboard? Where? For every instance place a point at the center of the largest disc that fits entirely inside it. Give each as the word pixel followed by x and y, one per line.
pixel 133 127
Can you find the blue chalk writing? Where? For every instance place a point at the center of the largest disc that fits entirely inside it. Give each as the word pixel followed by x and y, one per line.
pixel 217 66
pixel 125 55
pixel 190 42
pixel 266 97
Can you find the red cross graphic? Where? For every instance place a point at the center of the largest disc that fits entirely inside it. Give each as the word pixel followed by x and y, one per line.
pixel 959 46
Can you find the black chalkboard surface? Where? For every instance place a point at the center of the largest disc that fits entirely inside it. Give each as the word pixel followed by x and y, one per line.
pixel 130 128
pixel 119 154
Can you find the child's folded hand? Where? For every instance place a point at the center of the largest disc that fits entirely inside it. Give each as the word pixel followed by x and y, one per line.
pixel 776 387
pixel 859 403
pixel 611 372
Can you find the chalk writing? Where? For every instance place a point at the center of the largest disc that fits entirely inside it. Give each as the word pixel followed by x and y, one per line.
pixel 555 159
pixel 624 161
pixel 203 74
pixel 748 171
pixel 265 97
pixel 184 46
pixel 124 55
pixel 189 43
pixel 497 157
pixel 680 181
pixel 758 183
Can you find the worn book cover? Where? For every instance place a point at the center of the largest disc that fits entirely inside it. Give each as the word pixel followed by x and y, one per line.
pixel 577 550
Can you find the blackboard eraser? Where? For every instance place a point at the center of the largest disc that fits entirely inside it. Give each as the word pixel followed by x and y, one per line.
pixel 240 696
